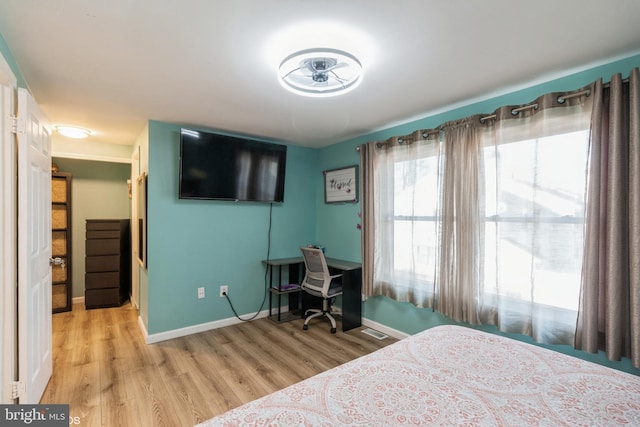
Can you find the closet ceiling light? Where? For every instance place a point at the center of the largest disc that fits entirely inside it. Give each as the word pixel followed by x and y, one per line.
pixel 320 72
pixel 73 132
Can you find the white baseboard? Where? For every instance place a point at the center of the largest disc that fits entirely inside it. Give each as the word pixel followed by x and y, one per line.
pixel 143 329
pixel 77 300
pixel 181 332
pixel 176 333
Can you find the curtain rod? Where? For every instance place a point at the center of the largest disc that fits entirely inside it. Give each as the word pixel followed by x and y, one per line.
pixel 561 99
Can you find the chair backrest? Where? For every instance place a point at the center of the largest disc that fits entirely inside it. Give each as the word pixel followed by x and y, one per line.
pixel 317 276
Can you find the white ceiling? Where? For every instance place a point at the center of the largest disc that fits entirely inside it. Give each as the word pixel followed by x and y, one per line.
pixel 112 65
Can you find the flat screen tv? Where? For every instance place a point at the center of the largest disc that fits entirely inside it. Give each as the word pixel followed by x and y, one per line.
pixel 222 167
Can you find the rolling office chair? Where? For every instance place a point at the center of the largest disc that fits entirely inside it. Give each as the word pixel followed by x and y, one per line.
pixel 319 282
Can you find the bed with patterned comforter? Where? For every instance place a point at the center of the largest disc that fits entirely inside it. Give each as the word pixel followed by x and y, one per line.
pixel 452 376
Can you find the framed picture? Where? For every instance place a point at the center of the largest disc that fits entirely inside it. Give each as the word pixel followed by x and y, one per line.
pixel 341 185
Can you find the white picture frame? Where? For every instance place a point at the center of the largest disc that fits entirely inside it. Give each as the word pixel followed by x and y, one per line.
pixel 341 185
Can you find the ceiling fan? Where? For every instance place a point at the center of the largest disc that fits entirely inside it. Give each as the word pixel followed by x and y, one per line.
pixel 320 72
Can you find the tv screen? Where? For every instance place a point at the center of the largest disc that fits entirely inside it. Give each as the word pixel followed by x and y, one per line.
pixel 221 167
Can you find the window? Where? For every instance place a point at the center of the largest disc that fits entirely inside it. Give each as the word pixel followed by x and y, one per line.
pixel 483 218
pixel 406 180
pixel 535 219
pixel 415 240
pixel 534 201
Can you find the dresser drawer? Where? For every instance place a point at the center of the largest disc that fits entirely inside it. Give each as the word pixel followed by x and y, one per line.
pixel 102 247
pixel 102 280
pixel 96 264
pixel 103 234
pixel 107 262
pixel 96 224
pixel 97 298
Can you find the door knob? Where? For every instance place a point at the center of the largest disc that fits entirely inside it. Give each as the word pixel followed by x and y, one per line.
pixel 57 261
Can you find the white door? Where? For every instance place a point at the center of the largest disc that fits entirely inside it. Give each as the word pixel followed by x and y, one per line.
pixel 8 298
pixel 34 249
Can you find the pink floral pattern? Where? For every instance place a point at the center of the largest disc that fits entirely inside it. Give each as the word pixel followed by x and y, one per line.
pixel 452 376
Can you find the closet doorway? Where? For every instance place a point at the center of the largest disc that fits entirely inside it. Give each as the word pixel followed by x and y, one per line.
pixel 99 191
pixel 61 239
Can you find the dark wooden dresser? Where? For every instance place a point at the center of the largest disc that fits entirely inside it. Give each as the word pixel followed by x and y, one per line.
pixel 107 263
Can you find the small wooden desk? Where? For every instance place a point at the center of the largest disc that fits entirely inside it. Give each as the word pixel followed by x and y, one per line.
pixel 351 286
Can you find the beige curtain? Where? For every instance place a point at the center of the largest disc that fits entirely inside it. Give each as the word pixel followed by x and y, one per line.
pixel 394 211
pixel 511 217
pixel 459 275
pixel 367 217
pixel 483 218
pixel 535 172
pixel 609 312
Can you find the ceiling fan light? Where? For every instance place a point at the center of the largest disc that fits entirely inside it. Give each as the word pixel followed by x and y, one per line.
pixel 73 132
pixel 320 72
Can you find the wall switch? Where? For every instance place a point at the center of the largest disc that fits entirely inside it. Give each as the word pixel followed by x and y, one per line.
pixel 200 293
pixel 224 290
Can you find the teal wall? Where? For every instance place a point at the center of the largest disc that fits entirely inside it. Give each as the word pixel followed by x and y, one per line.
pixel 205 243
pixel 336 226
pixel 8 56
pixel 403 316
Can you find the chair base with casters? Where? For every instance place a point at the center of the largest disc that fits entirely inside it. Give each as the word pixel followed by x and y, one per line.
pixel 326 310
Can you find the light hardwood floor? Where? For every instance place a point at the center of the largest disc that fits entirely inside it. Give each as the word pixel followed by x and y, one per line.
pixel 110 377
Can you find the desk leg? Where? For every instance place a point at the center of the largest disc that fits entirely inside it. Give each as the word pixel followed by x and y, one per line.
pixel 270 284
pixel 294 298
pixel 351 299
pixel 279 295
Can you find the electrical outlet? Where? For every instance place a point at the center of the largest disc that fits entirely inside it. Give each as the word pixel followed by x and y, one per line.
pixel 200 293
pixel 224 289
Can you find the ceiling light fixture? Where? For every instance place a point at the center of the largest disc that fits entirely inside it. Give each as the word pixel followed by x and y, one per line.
pixel 320 72
pixel 73 131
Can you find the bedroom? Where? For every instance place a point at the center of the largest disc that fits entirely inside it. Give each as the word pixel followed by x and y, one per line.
pixel 218 243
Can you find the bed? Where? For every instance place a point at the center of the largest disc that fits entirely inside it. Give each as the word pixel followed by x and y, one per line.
pixel 452 376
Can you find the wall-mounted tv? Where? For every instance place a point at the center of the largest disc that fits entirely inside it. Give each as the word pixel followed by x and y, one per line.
pixel 221 167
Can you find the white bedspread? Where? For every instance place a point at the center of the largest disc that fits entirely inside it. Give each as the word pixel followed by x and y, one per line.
pixel 452 376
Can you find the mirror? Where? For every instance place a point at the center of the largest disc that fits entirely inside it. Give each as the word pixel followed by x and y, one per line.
pixel 141 241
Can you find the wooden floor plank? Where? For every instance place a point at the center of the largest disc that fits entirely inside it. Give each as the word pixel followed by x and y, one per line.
pixel 110 377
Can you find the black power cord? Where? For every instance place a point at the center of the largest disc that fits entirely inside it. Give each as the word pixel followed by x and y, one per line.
pixel 264 298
